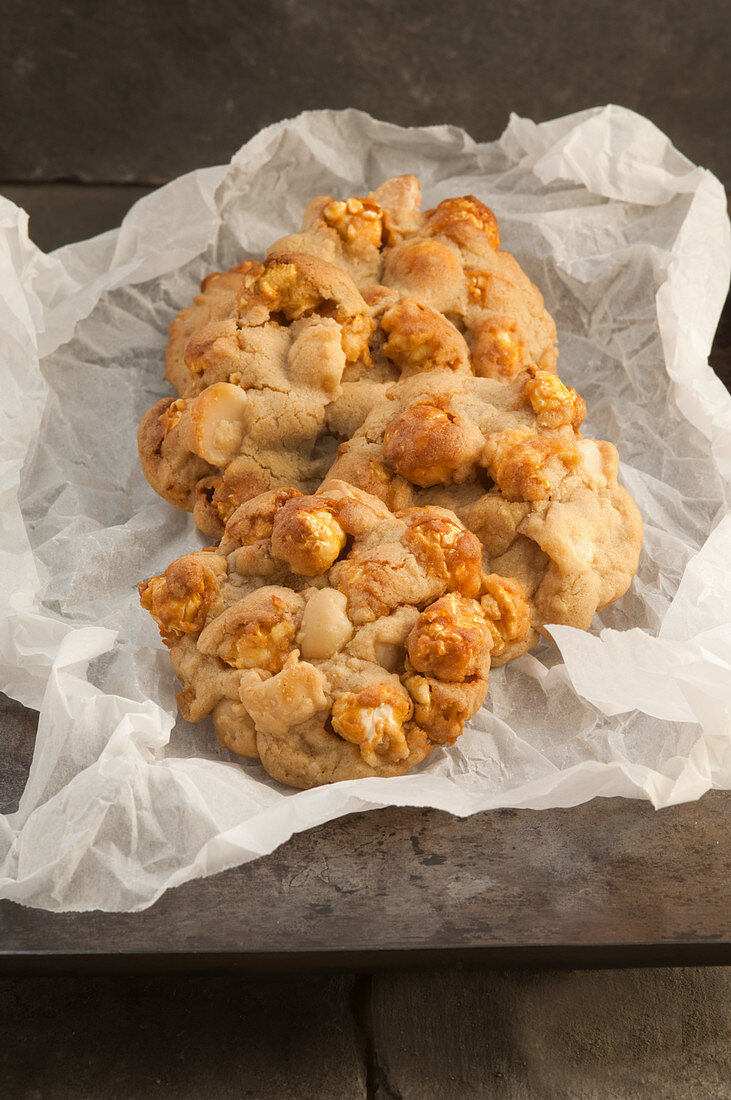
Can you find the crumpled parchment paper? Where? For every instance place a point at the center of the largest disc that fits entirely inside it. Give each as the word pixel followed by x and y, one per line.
pixel 629 243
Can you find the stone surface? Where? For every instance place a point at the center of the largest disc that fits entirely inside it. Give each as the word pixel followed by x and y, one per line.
pixel 140 92
pixel 430 1035
pixel 182 1037
pixel 555 1036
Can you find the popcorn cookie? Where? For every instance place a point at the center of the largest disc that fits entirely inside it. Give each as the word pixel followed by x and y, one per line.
pixel 218 299
pixel 448 258
pixel 270 391
pixel 332 639
pixel 511 462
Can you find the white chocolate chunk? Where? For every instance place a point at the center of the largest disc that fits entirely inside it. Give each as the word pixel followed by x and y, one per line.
pixel 592 464
pixel 374 729
pixel 284 700
pixel 326 627
pixel 217 423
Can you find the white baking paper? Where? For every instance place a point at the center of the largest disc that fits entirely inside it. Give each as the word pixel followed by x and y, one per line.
pixel 629 243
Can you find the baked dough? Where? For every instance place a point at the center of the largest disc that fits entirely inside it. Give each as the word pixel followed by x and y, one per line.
pixel 331 638
pixel 511 462
pixel 272 388
pixel 448 258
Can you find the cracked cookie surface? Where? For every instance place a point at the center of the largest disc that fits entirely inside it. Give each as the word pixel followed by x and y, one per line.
pixel 448 258
pixel 331 638
pixel 511 462
pixel 270 391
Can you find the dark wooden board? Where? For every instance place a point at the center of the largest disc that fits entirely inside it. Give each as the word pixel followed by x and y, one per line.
pixel 140 92
pixel 611 882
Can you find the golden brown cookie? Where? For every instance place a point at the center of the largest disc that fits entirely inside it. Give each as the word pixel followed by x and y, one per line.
pixel 448 258
pixel 274 387
pixel 218 299
pixel 332 639
pixel 353 233
pixel 511 462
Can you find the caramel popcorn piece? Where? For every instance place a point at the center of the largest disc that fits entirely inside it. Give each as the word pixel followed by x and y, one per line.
pixel 529 467
pixel 307 536
pixel 256 632
pixel 498 352
pixel 451 640
pixel 181 599
pixel 450 550
pixel 356 219
pixel 429 445
pixel 441 707
pixel 296 285
pixel 453 214
pixel 478 286
pixel 279 287
pixel 421 339
pixel 506 611
pixel 553 403
pixel 373 719
pixel 171 416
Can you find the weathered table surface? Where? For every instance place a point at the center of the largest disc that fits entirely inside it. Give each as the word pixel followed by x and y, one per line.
pixel 611 882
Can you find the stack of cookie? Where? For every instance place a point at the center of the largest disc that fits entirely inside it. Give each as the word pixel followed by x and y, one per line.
pixel 371 422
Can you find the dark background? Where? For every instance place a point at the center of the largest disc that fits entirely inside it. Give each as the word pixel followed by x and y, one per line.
pixel 136 92
pixel 101 103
